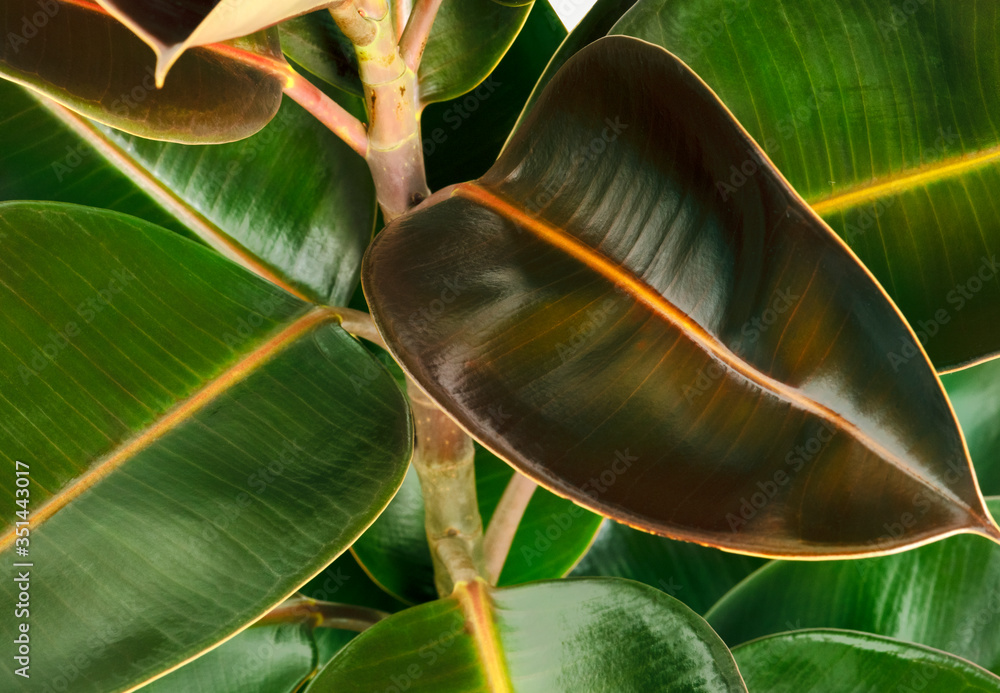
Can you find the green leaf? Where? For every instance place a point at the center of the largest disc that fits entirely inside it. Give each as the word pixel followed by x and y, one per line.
pixel 314 42
pixel 77 55
pixel 467 41
pixel 595 635
pixel 463 137
pixel 709 369
pixel 41 159
pixel 552 536
pixel 192 435
pixel 882 118
pixel 835 661
pixel 975 395
pixel 696 575
pixel 944 595
pixel 265 659
pixel 305 228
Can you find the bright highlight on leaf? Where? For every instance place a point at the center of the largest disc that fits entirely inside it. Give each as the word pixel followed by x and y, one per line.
pixel 708 365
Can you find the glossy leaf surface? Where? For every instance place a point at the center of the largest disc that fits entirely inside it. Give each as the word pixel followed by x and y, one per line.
pixel 467 41
pixel 944 596
pixel 552 536
pixel 193 440
pixel 463 137
pixel 708 367
pixel 265 659
pixel 77 55
pixel 883 117
pixel 833 661
pixel 40 159
pixel 304 228
pixel 696 575
pixel 595 635
pixel 975 395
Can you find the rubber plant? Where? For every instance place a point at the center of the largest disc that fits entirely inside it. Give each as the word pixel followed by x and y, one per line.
pixel 672 369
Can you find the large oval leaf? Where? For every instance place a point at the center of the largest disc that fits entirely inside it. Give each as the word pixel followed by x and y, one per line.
pixel 594 635
pixel 696 575
pixel 303 227
pixel 704 365
pixel 945 595
pixel 834 661
pixel 882 117
pixel 195 445
pixel 76 54
pixel 551 537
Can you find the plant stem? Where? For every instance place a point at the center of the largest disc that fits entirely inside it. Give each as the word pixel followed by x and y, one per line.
pixel 395 150
pixel 323 615
pixel 418 30
pixel 443 457
pixel 504 523
pixel 328 112
pixel 360 324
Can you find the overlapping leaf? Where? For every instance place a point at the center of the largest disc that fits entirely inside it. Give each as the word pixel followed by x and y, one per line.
pixel 193 438
pixel 975 394
pixel 79 56
pixel 304 228
pixel 709 365
pixel 946 595
pixel 883 117
pixel 834 661
pixel 595 635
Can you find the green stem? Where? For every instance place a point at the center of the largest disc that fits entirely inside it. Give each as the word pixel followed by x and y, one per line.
pixel 444 460
pixel 323 615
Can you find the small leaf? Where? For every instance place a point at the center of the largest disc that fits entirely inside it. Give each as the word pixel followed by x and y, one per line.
pixel 192 437
pixel 946 595
pixel 468 39
pixel 707 365
pixel 463 136
pixel 836 661
pixel 77 55
pixel 594 635
pixel 696 575
pixel 552 536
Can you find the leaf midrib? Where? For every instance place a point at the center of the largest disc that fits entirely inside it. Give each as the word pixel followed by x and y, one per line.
pixel 477 609
pixel 176 416
pixel 654 301
pixel 907 179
